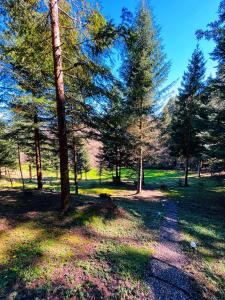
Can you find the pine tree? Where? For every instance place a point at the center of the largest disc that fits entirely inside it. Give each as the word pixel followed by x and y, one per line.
pixel 7 148
pixel 216 86
pixel 143 72
pixel 188 117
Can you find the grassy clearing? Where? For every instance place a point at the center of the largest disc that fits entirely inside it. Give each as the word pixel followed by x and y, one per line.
pixel 85 254
pixel 106 256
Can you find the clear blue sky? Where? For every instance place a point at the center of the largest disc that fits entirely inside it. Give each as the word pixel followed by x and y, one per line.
pixel 178 19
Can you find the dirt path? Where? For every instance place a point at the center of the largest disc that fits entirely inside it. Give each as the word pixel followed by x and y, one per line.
pixel 166 277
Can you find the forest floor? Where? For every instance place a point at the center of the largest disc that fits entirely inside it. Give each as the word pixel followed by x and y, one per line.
pixel 92 253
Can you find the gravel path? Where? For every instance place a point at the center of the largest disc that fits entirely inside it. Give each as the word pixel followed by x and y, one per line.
pixel 166 276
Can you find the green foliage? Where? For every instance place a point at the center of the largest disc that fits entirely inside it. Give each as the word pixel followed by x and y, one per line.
pixel 189 114
pixel 7 148
pixel 216 86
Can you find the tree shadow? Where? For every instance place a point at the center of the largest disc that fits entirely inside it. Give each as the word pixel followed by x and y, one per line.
pixel 124 261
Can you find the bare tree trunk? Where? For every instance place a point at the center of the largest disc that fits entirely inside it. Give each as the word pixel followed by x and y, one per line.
pixel 140 166
pixel 75 168
pixel 20 166
pixel 199 168
pixel 60 99
pixel 37 153
pixel 140 171
pixel 30 172
pixel 186 171
pixel 0 173
pixel 10 179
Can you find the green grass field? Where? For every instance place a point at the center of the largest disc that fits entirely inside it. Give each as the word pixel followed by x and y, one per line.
pixel 105 256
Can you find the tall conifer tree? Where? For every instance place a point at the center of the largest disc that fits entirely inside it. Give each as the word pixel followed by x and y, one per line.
pixel 216 32
pixel 187 116
pixel 144 70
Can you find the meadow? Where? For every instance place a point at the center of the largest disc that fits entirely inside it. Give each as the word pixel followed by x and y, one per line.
pixel 90 254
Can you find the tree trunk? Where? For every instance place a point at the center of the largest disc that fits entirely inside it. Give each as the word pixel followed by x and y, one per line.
pixel 117 179
pixel 60 99
pixel 20 166
pixel 37 153
pixel 199 168
pixel 140 172
pixel 186 171
pixel 140 166
pixel 75 168
pixel 117 170
pixel 30 172
pixel 0 173
pixel 10 179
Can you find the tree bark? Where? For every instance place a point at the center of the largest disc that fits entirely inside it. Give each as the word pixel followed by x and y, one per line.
pixel 199 169
pixel 20 166
pixel 30 172
pixel 140 172
pixel 10 179
pixel 75 168
pixel 37 153
pixel 140 166
pixel 186 171
pixel 60 99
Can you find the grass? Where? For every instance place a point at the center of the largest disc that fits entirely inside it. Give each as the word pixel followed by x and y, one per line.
pixel 85 254
pixel 202 211
pixel 106 256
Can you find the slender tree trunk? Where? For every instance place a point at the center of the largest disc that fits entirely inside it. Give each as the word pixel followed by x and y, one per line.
pixel 140 171
pixel 75 168
pixel 60 99
pixel 10 179
pixel 20 166
pixel 0 173
pixel 37 153
pixel 30 172
pixel 117 170
pixel 186 171
pixel 140 166
pixel 199 168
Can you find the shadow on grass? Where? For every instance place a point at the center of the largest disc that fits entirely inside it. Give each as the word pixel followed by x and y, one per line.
pixel 196 208
pixel 23 256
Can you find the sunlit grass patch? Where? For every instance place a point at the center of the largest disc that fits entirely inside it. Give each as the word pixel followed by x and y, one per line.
pixel 127 261
pixel 201 209
pixel 21 234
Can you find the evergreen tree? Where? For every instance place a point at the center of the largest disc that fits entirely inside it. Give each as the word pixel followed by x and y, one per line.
pixel 216 86
pixel 189 114
pixel 7 148
pixel 143 72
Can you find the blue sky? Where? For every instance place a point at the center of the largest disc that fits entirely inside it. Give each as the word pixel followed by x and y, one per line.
pixel 178 20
